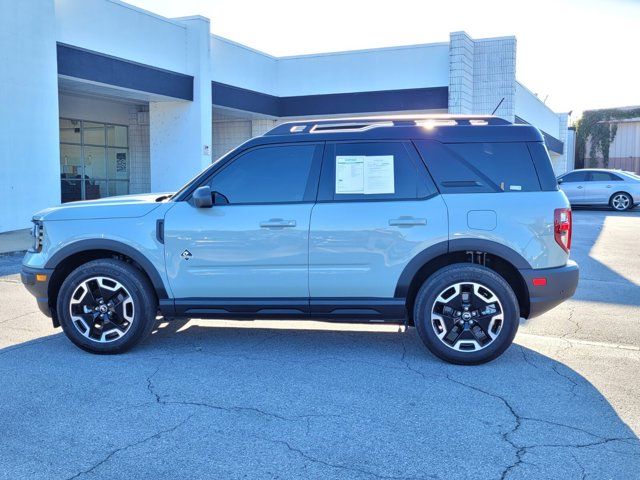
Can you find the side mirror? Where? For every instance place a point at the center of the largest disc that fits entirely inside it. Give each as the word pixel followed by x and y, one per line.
pixel 202 197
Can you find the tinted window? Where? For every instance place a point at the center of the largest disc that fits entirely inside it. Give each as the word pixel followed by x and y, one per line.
pixel 271 174
pixel 480 167
pixel 575 177
pixel 604 177
pixel 373 171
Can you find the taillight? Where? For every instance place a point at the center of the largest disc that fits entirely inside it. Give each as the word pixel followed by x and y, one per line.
pixel 562 227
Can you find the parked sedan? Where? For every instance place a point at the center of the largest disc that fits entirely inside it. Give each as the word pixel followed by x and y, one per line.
pixel 599 186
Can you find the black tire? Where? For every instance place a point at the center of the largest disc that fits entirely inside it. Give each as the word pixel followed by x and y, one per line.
pixel 615 203
pixel 460 273
pixel 141 293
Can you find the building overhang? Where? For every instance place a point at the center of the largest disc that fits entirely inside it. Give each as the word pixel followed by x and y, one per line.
pixel 96 70
pixel 431 98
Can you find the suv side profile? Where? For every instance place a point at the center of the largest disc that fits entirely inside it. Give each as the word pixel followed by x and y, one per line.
pixel 454 225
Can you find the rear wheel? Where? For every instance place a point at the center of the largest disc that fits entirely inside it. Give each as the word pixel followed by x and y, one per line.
pixel 106 306
pixel 621 201
pixel 466 314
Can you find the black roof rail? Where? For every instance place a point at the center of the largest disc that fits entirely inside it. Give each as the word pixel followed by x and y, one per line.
pixel 363 124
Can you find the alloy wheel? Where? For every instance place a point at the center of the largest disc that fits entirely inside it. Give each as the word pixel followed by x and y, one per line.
pixel 620 202
pixel 467 316
pixel 101 309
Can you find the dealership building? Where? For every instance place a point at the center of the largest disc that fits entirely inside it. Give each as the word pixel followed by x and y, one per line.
pixel 100 98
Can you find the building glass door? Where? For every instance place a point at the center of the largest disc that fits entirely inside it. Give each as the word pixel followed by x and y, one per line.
pixel 94 160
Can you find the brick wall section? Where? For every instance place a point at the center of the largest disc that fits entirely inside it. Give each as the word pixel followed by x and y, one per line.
pixel 494 77
pixel 461 52
pixel 481 73
pixel 139 156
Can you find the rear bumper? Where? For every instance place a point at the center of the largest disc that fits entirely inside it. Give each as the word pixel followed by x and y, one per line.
pixel 38 288
pixel 561 285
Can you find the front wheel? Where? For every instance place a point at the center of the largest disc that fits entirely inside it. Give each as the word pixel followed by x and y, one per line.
pixel 621 201
pixel 466 314
pixel 106 306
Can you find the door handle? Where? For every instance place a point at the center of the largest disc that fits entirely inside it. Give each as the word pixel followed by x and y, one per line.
pixel 278 223
pixel 579 186
pixel 407 222
pixel 608 186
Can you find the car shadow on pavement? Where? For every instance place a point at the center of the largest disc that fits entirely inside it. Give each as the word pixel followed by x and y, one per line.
pixel 598 281
pixel 211 399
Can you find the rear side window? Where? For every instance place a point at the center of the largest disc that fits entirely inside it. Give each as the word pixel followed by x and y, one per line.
pixel 604 177
pixel 480 167
pixel 373 171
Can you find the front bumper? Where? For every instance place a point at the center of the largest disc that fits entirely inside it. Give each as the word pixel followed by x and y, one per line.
pixel 561 285
pixel 32 280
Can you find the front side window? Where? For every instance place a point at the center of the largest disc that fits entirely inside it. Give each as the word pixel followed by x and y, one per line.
pixel 94 160
pixel 575 177
pixel 268 174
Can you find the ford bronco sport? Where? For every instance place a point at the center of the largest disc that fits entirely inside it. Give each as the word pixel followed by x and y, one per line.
pixel 454 225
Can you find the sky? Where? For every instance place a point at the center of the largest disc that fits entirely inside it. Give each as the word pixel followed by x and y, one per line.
pixel 574 54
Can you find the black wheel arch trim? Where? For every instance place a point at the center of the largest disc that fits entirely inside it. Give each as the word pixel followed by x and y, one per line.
pixel 114 246
pixel 451 246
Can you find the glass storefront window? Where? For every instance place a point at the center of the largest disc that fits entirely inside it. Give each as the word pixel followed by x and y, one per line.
pixel 94 160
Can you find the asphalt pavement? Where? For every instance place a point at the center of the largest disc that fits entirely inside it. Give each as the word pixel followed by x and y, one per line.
pixel 231 400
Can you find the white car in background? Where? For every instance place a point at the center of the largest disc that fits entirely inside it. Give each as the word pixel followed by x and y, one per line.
pixel 599 186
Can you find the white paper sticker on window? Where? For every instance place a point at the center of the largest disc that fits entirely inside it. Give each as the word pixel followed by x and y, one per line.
pixel 350 174
pixel 360 174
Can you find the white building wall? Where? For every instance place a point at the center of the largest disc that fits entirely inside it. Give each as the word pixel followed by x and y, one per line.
pixel 532 109
pixel 29 134
pixel 122 30
pixel 417 66
pixel 180 131
pixel 241 66
pixel 229 132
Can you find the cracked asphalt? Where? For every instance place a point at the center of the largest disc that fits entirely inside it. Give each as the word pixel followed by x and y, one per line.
pixel 218 399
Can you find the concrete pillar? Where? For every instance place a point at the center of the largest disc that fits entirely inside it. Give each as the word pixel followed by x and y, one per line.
pixel 180 131
pixel 482 75
pixel 29 131
pixel 460 73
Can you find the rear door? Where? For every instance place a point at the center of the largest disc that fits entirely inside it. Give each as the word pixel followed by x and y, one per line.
pixel 573 185
pixel 600 186
pixel 377 209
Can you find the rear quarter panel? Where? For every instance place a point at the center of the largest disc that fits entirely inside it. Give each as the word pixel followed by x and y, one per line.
pixel 522 221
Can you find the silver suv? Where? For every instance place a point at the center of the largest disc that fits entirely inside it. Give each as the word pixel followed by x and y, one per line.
pixel 454 225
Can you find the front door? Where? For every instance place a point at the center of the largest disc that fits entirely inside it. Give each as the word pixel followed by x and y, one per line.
pixel 573 185
pixel 255 244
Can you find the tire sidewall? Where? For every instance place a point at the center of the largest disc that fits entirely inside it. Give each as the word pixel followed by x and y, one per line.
pixel 466 273
pixel 141 294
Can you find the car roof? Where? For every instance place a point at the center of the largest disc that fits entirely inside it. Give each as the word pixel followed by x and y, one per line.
pixel 444 128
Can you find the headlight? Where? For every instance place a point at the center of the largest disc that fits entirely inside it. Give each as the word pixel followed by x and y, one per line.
pixel 37 232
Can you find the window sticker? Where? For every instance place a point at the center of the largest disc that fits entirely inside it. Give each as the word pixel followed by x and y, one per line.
pixel 360 174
